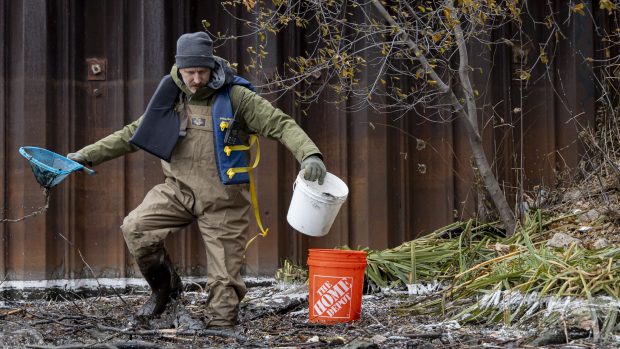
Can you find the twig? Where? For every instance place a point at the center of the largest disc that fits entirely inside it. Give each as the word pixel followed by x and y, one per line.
pixel 11 312
pixel 431 335
pixel 120 345
pixel 377 321
pixel 40 210
pixel 97 280
pixel 72 301
pixel 295 345
pixel 59 321
pixel 174 332
pixel 6 276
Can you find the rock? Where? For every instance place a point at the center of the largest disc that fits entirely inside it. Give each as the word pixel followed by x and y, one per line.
pixel 589 216
pixel 16 335
pixel 558 336
pixel 579 316
pixel 175 316
pixel 360 344
pixel 186 322
pixel 447 339
pixel 501 248
pixel 101 336
pixel 571 195
pixel 378 339
pixel 419 344
pixel 600 244
pixel 587 324
pixel 314 339
pixel 561 240
pixel 337 340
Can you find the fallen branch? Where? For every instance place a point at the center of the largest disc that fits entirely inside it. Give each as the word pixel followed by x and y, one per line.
pixel 431 335
pixel 10 312
pixel 119 345
pixel 174 332
pixel 294 303
pixel 58 320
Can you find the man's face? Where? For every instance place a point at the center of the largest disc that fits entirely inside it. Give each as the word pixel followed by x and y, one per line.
pixel 195 78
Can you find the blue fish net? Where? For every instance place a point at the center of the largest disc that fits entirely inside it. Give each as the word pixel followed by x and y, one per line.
pixel 49 168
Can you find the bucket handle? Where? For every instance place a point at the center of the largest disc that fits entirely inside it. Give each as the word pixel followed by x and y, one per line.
pixel 89 171
pixel 295 183
pixel 300 174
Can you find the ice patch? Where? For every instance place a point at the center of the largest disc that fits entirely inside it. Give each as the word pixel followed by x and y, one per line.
pixel 423 289
pixel 446 325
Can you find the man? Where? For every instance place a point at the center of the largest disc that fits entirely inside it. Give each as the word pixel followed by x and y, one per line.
pixel 200 87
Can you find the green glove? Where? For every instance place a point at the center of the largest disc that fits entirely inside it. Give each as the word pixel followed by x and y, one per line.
pixel 79 158
pixel 314 169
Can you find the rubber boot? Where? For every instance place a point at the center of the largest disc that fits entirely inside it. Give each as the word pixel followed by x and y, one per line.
pixel 165 283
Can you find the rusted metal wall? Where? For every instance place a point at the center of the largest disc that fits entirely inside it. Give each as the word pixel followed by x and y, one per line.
pixel 406 177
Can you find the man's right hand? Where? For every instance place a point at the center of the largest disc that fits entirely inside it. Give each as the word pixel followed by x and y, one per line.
pixel 79 158
pixel 314 169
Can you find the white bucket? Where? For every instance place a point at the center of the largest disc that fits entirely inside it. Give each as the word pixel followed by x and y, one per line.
pixel 314 207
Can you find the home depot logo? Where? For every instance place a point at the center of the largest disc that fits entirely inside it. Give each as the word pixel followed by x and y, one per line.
pixel 333 297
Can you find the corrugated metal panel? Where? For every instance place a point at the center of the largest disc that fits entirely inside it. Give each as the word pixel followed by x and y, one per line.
pixel 406 177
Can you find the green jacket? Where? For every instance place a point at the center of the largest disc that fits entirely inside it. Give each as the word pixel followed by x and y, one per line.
pixel 259 115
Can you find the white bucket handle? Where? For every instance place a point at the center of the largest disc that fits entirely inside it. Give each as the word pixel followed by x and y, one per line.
pixel 295 183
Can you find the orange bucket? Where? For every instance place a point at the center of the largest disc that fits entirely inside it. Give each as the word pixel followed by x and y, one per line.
pixel 336 279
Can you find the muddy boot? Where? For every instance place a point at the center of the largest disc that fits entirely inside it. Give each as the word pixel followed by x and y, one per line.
pixel 165 283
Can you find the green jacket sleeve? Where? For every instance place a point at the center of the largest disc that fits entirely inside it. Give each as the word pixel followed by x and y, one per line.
pixel 112 146
pixel 266 120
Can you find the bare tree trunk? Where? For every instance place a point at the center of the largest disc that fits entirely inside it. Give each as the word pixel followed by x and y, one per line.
pixel 470 115
pixel 473 134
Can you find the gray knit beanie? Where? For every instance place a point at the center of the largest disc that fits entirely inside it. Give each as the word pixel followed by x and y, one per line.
pixel 195 50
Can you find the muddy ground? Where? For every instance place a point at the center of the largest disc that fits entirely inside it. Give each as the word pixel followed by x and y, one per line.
pixel 272 315
pixel 276 315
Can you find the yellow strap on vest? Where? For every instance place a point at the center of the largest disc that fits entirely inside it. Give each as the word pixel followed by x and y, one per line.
pixel 234 170
pixel 230 148
pixel 263 231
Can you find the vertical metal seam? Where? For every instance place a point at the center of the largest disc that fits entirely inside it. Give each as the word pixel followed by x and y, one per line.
pixel 122 258
pixel 69 89
pixel 5 139
pixel 49 104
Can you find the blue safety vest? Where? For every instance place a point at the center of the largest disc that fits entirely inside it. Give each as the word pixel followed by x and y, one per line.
pixel 223 115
